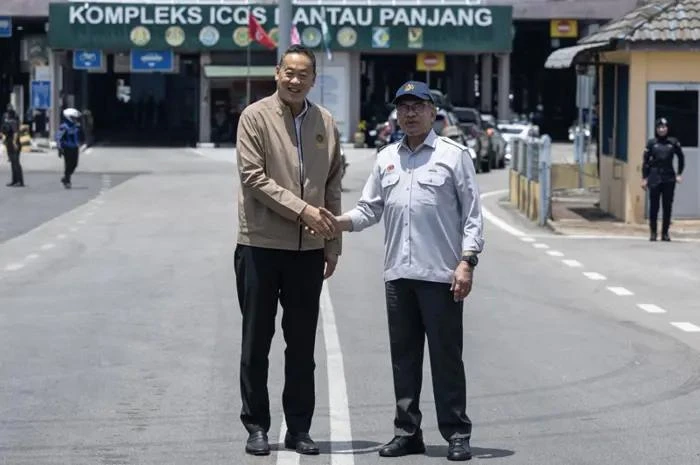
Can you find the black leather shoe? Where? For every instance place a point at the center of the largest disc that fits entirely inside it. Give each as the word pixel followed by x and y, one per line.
pixel 652 237
pixel 257 444
pixel 301 442
pixel 459 450
pixel 404 445
pixel 666 237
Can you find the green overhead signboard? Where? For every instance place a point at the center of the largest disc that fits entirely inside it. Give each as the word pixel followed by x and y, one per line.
pixel 122 26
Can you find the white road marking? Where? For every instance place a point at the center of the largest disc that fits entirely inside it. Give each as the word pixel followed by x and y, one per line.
pixel 80 222
pixel 32 256
pixel 540 246
pixel 687 327
pixel 500 223
pixel 339 410
pixel 14 266
pixel 285 456
pixel 61 237
pixel 572 263
pixel 47 246
pixel 651 308
pixel 527 239
pixel 594 276
pixel 621 291
pixel 73 229
pixel 555 253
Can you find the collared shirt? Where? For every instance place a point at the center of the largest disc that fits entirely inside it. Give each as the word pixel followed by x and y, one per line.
pixel 430 202
pixel 297 125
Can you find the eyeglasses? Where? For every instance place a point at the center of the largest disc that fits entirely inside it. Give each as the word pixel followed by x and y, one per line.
pixel 418 107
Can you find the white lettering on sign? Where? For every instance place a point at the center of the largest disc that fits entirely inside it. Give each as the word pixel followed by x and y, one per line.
pixel 167 15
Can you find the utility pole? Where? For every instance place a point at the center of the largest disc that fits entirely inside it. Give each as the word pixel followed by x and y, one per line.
pixel 285 27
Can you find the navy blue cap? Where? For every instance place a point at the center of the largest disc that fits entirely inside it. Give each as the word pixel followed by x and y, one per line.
pixel 416 89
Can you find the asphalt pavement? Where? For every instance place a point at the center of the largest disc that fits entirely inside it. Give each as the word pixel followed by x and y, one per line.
pixel 120 332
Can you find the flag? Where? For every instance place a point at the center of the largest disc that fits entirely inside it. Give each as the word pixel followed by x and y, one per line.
pixel 257 33
pixel 326 35
pixel 294 38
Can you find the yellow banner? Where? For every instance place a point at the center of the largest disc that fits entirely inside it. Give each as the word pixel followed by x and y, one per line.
pixel 430 61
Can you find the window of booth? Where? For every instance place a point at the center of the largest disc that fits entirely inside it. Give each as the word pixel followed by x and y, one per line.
pixel 615 108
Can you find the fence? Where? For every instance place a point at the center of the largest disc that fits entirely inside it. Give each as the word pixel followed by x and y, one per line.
pixel 530 182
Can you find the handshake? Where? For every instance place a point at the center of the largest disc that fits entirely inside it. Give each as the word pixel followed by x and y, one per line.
pixel 321 222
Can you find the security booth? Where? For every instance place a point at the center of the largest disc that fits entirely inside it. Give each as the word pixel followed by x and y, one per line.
pixel 647 67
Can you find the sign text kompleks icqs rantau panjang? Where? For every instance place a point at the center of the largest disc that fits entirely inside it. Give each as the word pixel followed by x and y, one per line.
pixel 184 15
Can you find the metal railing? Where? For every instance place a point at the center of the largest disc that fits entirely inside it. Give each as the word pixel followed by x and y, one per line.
pixel 532 158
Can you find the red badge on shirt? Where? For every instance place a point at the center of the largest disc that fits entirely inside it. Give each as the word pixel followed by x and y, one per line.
pixel 390 168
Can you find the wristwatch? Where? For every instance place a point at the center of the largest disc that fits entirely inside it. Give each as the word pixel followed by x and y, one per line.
pixel 473 260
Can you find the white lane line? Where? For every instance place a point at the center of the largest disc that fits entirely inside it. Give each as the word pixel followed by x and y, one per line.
pixel 32 256
pixel 47 246
pixel 572 263
pixel 527 239
pixel 687 327
pixel 621 291
pixel 540 246
pixel 555 253
pixel 500 223
pixel 651 308
pixel 594 276
pixel 339 410
pixel 14 266
pixel 60 237
pixel 286 456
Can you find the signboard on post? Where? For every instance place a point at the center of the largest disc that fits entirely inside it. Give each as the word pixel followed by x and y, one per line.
pixel 5 27
pixel 41 95
pixel 88 59
pixel 429 61
pixel 148 61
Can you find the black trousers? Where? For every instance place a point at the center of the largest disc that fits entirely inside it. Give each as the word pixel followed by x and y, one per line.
pixel 416 309
pixel 17 175
pixel 265 277
pixel 663 191
pixel 70 162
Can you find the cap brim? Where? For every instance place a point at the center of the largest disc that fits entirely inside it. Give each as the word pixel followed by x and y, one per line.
pixel 419 97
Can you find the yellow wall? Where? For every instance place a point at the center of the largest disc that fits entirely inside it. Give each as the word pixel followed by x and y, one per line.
pixel 621 193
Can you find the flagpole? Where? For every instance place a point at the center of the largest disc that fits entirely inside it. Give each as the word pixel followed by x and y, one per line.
pixel 247 59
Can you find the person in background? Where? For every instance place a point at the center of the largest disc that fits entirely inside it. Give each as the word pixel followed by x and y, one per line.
pixel 660 177
pixel 9 129
pixel 69 139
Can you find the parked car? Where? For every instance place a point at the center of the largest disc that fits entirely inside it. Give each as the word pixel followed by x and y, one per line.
pixel 511 131
pixel 484 143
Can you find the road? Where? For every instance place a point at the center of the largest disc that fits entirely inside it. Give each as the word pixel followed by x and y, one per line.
pixel 120 331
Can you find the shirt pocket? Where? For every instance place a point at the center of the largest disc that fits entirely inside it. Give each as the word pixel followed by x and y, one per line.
pixel 431 187
pixel 389 181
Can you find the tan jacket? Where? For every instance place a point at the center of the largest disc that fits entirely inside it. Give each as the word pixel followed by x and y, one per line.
pixel 272 195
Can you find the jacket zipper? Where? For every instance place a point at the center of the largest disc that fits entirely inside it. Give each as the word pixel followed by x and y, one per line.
pixel 301 168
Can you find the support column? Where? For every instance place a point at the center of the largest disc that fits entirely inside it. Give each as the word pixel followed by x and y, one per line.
pixel 54 112
pixel 504 86
pixel 204 100
pixel 486 81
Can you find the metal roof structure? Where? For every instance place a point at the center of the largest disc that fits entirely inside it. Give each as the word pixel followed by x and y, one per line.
pixel 657 22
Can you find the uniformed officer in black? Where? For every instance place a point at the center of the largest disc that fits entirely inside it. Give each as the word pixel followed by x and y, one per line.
pixel 659 176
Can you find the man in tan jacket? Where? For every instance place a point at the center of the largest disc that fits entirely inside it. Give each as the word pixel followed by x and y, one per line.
pixel 290 169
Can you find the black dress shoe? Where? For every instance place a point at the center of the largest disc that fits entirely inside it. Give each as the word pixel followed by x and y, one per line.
pixel 459 450
pixel 652 237
pixel 257 444
pixel 301 442
pixel 404 445
pixel 666 237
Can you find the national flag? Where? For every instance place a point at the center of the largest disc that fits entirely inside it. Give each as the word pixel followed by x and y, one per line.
pixel 294 36
pixel 257 33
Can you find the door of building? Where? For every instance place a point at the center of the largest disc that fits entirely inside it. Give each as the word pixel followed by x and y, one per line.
pixel 679 104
